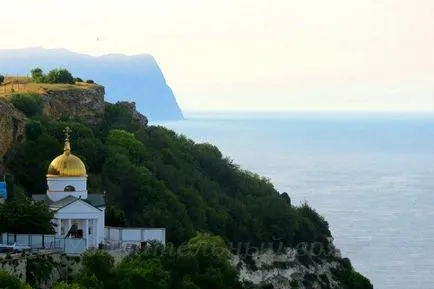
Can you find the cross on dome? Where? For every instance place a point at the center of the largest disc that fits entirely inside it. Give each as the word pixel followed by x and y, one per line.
pixel 67 132
pixel 67 164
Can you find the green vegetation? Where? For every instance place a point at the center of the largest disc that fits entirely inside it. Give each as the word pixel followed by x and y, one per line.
pixel 2 79
pixel 29 103
pixel 160 179
pixel 203 262
pixel 10 282
pixel 39 269
pixel 54 76
pixel 60 76
pixel 36 219
pixel 37 75
pixel 90 81
pixel 156 178
pixel 349 277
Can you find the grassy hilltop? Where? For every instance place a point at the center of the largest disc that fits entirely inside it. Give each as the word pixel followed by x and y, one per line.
pixel 24 84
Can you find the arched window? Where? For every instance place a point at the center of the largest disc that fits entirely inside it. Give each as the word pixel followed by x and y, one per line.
pixel 69 189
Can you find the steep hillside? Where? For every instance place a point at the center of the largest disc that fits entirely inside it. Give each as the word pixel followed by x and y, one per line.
pixel 155 178
pixel 134 78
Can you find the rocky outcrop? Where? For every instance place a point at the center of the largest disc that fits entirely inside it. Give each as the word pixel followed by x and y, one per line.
pixel 12 127
pixel 83 103
pixel 27 267
pixel 75 102
pixel 139 118
pixel 290 268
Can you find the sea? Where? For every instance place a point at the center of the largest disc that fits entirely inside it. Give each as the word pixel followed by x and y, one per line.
pixel 371 175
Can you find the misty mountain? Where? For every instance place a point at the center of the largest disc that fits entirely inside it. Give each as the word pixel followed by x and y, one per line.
pixel 133 78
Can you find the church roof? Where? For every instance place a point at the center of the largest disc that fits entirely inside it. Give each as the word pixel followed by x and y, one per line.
pixel 67 164
pixel 63 202
pixel 95 200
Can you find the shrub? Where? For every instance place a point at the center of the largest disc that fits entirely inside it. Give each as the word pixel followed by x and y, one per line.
pixel 37 75
pixel 11 282
pixel 60 76
pixel 2 79
pixel 97 262
pixel 29 103
pixel 78 79
pixel 90 81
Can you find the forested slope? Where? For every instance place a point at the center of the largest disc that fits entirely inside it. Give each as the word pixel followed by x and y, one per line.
pixel 155 178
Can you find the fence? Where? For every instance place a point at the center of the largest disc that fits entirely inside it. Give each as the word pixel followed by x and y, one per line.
pixel 123 239
pixel 134 235
pixel 35 241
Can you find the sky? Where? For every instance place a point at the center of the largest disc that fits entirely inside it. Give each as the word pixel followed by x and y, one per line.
pixel 310 55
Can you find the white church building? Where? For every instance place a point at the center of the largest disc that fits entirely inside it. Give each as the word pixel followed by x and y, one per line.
pixel 79 216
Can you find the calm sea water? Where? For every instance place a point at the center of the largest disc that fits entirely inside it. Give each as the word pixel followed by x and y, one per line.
pixel 371 176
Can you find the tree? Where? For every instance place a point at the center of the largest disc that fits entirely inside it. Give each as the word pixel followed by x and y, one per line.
pixel 37 75
pixel 2 79
pixel 29 103
pixel 141 273
pixel 97 262
pixel 202 262
pixel 11 282
pixel 114 216
pixel 60 76
pixel 125 142
pixel 25 216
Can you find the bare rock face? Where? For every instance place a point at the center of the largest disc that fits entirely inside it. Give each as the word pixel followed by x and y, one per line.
pixel 85 104
pixel 12 127
pixel 139 118
pixel 284 269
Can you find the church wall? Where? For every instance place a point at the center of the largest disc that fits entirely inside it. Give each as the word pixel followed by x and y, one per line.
pixel 56 187
pixel 58 184
pixel 101 225
pixel 56 196
pixel 120 235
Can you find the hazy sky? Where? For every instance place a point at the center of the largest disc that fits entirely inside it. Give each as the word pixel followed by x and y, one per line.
pixel 252 54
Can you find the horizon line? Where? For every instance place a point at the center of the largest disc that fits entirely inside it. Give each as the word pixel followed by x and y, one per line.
pixel 307 111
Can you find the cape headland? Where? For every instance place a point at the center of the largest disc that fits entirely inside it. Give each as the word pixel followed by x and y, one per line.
pixel 136 78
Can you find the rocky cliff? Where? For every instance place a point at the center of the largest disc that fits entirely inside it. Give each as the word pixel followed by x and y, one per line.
pixel 41 270
pixel 85 104
pixel 139 118
pixel 12 127
pixel 289 269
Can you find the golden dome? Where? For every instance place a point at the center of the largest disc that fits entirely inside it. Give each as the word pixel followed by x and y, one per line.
pixel 67 164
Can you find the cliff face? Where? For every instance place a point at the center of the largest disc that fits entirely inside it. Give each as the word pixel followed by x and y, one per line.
pixel 139 118
pixel 56 267
pixel 282 270
pixel 12 127
pixel 84 104
pixel 135 78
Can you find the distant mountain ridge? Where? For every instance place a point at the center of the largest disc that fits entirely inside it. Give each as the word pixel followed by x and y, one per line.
pixel 135 78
